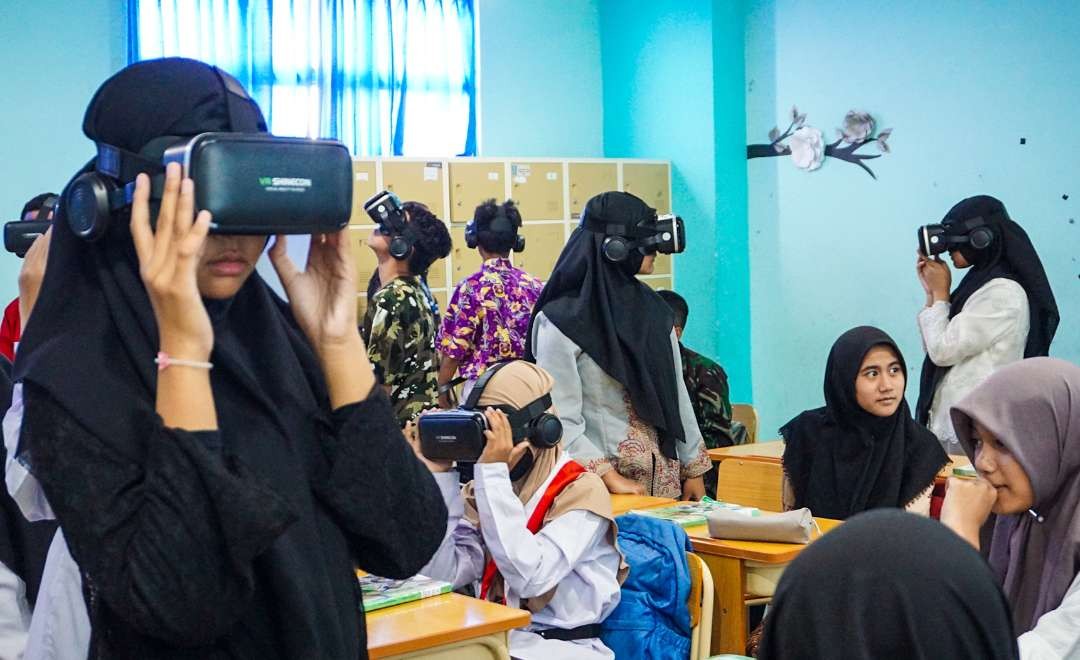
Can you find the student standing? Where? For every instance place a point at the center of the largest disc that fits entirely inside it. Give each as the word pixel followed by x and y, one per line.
pixel 399 324
pixel 1021 429
pixel 214 512
pixel 609 342
pixel 1002 311
pixel 862 450
pixel 487 319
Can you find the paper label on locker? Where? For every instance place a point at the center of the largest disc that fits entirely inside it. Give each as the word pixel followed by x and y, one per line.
pixel 552 176
pixel 431 173
pixel 361 176
pixel 493 176
pixel 520 171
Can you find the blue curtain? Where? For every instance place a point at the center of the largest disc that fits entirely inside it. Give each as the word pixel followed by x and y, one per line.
pixel 386 77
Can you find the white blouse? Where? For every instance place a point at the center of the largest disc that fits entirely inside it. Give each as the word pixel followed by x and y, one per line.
pixel 1056 635
pixel 572 552
pixel 990 332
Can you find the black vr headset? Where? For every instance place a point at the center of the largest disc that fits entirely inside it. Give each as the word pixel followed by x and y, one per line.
pixel 664 234
pixel 975 233
pixel 501 223
pixel 252 183
pixel 386 211
pixel 458 435
pixel 20 234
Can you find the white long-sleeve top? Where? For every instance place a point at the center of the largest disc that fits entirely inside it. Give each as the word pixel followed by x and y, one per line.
pixel 990 332
pixel 601 429
pixel 1056 635
pixel 572 552
pixel 60 626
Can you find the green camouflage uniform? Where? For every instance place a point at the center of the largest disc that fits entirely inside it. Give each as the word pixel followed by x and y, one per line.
pixel 399 329
pixel 707 384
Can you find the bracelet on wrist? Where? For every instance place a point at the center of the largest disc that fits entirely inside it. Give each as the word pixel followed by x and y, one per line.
pixel 164 361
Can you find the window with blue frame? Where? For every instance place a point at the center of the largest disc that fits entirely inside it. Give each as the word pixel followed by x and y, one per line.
pixel 386 77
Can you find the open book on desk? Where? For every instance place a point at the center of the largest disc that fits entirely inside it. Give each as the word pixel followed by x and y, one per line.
pixel 692 514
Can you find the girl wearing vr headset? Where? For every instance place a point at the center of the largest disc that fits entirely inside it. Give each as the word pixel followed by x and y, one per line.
pixel 217 498
pixel 533 529
pixel 609 341
pixel 1002 311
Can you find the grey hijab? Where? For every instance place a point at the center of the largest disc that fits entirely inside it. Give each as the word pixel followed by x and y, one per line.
pixel 1033 408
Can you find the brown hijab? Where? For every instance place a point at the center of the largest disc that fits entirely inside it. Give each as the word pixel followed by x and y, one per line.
pixel 1033 408
pixel 517 385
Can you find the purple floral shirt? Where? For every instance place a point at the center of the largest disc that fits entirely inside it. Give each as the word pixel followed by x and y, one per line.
pixel 488 317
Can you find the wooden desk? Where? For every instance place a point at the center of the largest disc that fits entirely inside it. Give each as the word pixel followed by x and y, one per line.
pixel 621 504
pixel 771 451
pixel 452 625
pixel 955 460
pixel 727 563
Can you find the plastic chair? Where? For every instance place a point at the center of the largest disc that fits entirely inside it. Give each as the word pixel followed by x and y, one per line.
pixel 701 607
pixel 746 414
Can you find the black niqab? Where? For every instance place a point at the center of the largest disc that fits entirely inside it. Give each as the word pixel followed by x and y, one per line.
pixel 622 324
pixel 841 459
pixel 888 584
pixel 1010 256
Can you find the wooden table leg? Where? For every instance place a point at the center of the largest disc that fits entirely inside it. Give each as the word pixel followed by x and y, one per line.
pixel 729 630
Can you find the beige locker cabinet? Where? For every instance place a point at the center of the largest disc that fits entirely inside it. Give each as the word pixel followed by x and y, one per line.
pixel 361 309
pixel 474 183
pixel 543 245
pixel 416 181
pixel 443 298
pixel 662 265
pixel 464 260
pixel 537 188
pixel 363 189
pixel 588 180
pixel 436 277
pixel 366 264
pixel 658 283
pixel 650 183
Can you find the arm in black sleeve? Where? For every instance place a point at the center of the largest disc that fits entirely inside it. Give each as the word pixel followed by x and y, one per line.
pixel 165 529
pixel 383 497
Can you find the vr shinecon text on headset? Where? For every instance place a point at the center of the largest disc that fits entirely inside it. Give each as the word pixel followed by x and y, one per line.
pixel 252 183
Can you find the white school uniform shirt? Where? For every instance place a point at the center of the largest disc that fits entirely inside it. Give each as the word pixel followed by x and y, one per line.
pixel 572 552
pixel 59 627
pixel 990 332
pixel 1056 635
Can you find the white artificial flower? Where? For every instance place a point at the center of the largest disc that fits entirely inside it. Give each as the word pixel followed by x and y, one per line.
pixel 807 148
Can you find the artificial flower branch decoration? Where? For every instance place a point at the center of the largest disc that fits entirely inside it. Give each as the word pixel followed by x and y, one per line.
pixel 807 148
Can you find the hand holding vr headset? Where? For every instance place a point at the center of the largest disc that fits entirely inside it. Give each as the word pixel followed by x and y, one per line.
pixel 961 239
pixel 495 434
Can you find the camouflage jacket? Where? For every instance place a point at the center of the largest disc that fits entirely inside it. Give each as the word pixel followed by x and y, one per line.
pixel 707 384
pixel 399 329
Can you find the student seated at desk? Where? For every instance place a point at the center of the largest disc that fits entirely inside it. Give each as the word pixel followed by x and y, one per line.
pixel 862 450
pixel 562 565
pixel 888 585
pixel 1021 428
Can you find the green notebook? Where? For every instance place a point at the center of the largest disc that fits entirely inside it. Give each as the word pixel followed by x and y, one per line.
pixel 692 514
pixel 379 592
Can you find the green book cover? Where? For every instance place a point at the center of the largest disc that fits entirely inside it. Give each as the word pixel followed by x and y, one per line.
pixel 379 592
pixel 692 514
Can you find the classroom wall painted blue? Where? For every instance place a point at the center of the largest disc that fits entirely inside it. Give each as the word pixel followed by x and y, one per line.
pixel 961 83
pixel 673 79
pixel 539 73
pixel 55 55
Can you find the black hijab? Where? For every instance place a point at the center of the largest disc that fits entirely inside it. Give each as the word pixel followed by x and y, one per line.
pixel 842 460
pixel 91 344
pixel 1011 256
pixel 888 584
pixel 615 318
